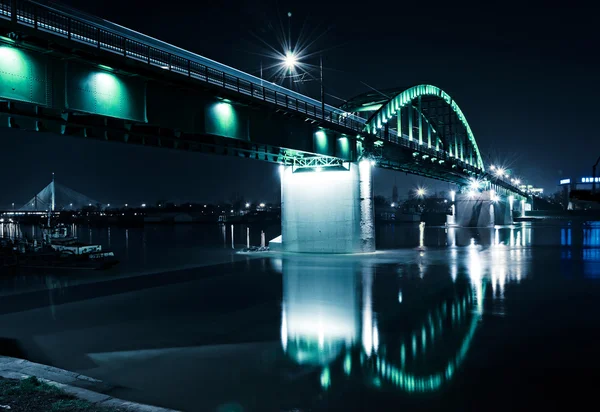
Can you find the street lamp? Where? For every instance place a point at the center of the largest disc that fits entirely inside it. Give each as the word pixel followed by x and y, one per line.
pixel 247 205
pixel 421 192
pixel 262 205
pixel 290 60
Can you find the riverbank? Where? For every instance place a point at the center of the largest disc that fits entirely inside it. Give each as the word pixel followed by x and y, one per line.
pixel 31 387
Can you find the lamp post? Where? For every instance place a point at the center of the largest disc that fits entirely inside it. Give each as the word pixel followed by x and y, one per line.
pixel 322 89
pixel 291 60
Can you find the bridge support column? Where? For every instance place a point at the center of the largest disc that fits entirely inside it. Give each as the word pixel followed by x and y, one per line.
pixel 328 211
pixel 482 210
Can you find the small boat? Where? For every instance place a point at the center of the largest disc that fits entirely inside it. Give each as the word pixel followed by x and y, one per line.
pixel 73 253
pixel 56 251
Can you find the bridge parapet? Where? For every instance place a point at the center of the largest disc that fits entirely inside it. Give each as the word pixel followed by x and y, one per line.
pixel 101 36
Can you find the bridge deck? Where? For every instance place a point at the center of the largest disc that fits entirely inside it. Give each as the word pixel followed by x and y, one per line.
pixel 91 31
pixel 107 36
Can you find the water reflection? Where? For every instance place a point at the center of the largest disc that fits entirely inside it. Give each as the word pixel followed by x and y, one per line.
pixel 320 311
pixel 404 320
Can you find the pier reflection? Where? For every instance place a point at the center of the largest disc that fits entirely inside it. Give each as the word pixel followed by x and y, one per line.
pixel 404 321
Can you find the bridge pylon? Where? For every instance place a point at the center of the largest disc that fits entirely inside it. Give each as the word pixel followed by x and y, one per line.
pixel 482 209
pixel 327 209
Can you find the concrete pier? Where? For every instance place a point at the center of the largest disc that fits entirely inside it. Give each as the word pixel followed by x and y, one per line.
pixel 327 211
pixel 482 209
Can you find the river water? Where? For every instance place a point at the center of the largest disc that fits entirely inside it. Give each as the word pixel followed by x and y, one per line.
pixel 438 319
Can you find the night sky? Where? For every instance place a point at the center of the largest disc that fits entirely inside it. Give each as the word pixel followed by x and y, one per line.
pixel 522 75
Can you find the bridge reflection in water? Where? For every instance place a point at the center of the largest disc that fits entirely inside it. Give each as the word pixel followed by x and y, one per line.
pixel 403 320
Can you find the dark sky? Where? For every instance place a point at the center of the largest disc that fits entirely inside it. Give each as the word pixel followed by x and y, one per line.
pixel 523 74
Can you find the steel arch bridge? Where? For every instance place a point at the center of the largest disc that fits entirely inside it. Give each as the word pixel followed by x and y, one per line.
pixel 428 115
pixel 114 83
pixel 422 130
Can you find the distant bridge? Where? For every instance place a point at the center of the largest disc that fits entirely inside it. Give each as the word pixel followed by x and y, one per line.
pixel 73 74
pixel 56 197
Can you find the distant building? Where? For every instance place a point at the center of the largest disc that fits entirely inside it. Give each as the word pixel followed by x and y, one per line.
pixel 395 193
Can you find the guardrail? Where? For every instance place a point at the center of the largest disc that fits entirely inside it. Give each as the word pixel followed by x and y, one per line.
pixel 49 20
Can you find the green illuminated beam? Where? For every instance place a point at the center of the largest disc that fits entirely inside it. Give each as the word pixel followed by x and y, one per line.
pixel 406 97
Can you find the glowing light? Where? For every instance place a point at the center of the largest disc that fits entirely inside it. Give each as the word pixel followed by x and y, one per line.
pixel 452 195
pixel 471 194
pixel 375 337
pixel 492 167
pixel 363 164
pixel 325 378
pixel 421 192
pixel 290 60
pixel 143 205
pixel 247 205
pixel 474 184
pixel 347 364
pixel 500 172
pixel 517 181
pixel 281 169
pixel 393 204
pixel 319 169
pixel 372 162
pixel 262 205
pixel 506 175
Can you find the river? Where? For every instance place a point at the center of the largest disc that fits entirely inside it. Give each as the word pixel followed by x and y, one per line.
pixel 437 319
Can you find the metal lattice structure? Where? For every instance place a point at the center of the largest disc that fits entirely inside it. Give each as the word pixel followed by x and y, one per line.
pixel 423 114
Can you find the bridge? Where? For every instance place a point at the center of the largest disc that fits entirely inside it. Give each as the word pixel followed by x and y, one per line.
pixel 69 73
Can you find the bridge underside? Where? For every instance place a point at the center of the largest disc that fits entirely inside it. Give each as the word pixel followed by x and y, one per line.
pixel 56 85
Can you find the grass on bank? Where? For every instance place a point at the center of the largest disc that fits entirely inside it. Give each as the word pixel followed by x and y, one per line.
pixel 32 395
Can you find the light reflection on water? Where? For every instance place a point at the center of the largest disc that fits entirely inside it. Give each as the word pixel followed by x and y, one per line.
pixel 406 319
pixel 336 315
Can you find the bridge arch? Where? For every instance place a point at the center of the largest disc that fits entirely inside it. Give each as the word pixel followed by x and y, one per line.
pixel 464 140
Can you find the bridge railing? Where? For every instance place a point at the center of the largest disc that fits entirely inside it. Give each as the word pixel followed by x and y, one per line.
pixel 56 22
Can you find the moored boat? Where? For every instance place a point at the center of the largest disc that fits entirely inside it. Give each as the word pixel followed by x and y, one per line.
pixel 57 250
